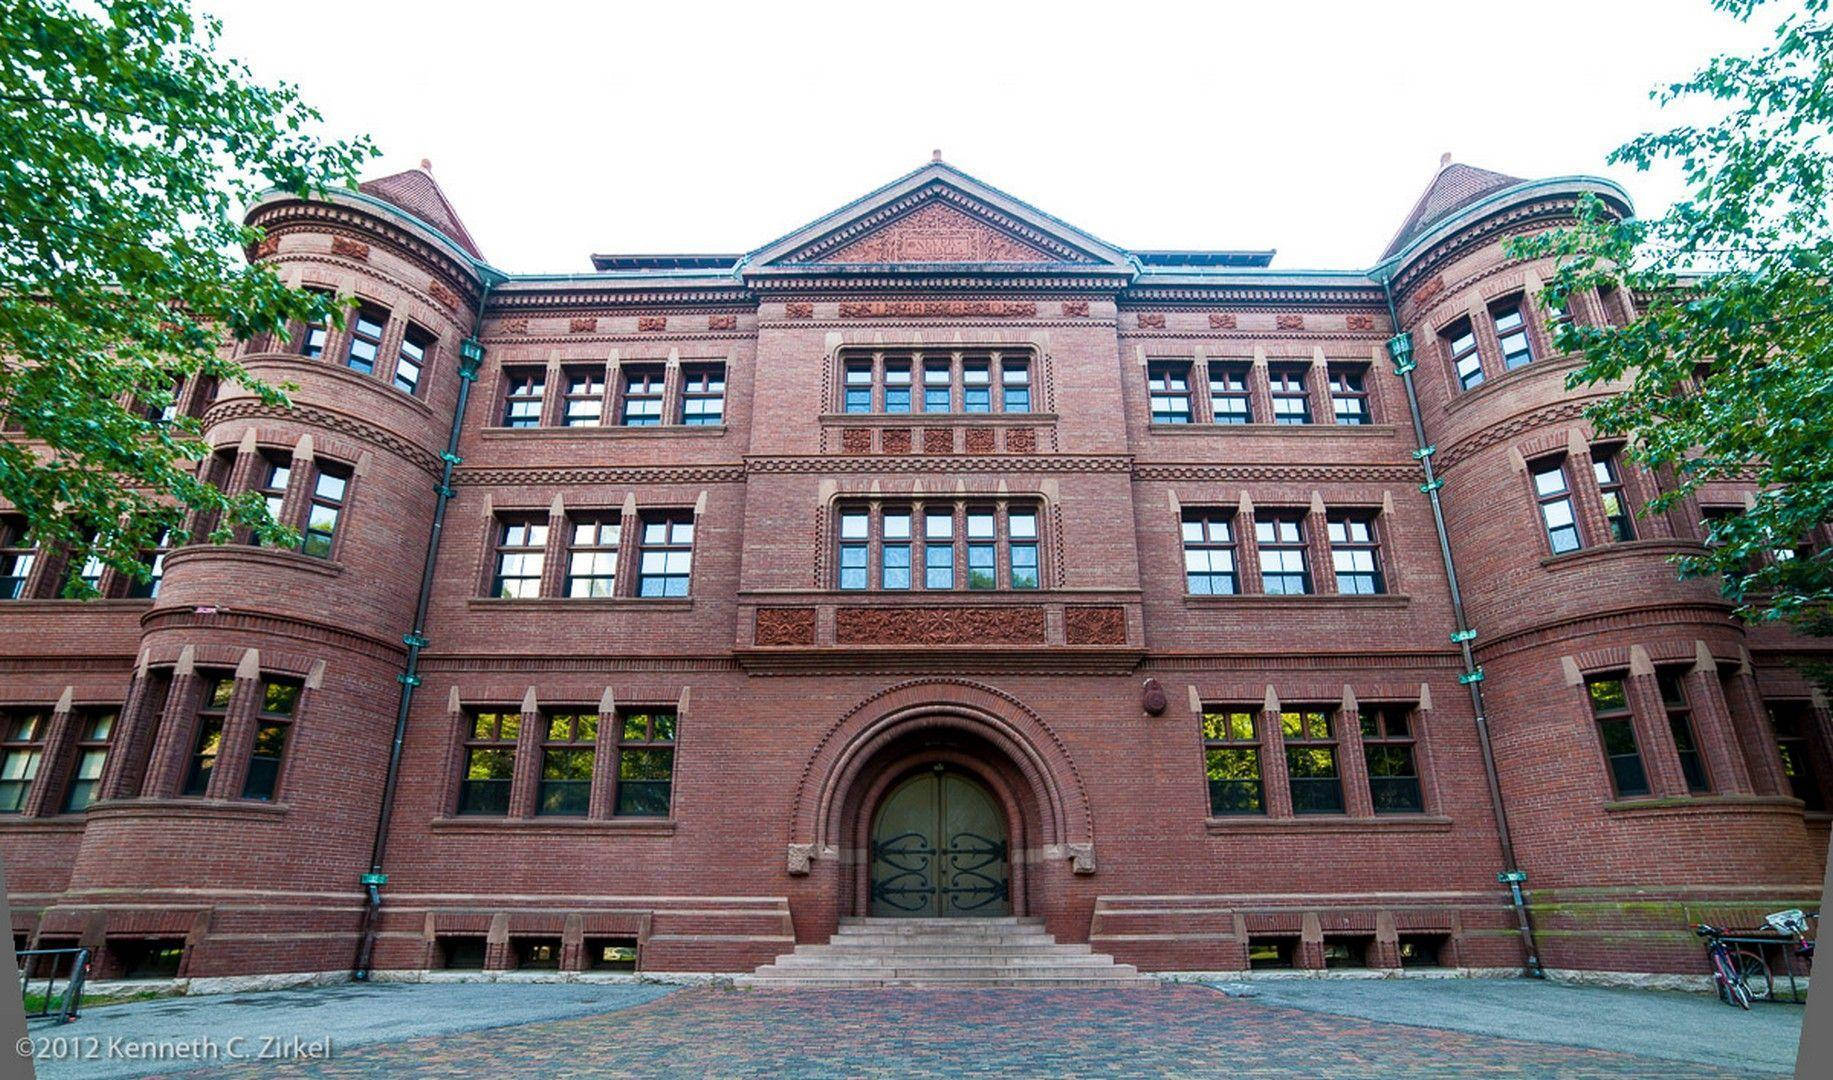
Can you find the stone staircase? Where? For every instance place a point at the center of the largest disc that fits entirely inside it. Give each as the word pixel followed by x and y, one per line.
pixel 944 953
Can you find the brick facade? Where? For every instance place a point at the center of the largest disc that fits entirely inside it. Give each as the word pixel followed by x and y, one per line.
pixel 797 701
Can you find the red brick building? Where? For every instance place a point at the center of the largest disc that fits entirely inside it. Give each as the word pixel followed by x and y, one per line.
pixel 937 557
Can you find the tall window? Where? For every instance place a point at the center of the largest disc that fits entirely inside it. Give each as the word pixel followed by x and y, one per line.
pixel 410 359
pixel 938 385
pixel 522 402
pixel 521 554
pixel 585 397
pixel 566 764
pixel 18 554
pixel 1209 553
pixel 1609 477
pixel 317 333
pixel 490 762
pixel 1311 761
pixel 1284 568
pixel 328 489
pixel 1555 497
pixel 1291 401
pixel 20 754
pixel 1793 725
pixel 276 474
pixel 1355 554
pixel 939 549
pixel 94 727
pixel 859 386
pixel 1015 377
pixel 1231 750
pixel 976 386
pixel 274 723
pixel 855 549
pixel 1460 342
pixel 1617 730
pixel 1349 396
pixel 1686 740
pixel 155 561
pixel 645 763
pixel 894 555
pixel 90 573
pixel 1169 384
pixel 982 547
pixel 1229 400
pixel 591 561
pixel 365 339
pixel 1021 529
pixel 1393 774
pixel 213 706
pixel 1511 331
pixel 667 555
pixel 703 395
pixel 897 385
pixel 643 396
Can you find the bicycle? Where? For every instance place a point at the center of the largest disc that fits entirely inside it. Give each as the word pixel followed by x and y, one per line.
pixel 1739 974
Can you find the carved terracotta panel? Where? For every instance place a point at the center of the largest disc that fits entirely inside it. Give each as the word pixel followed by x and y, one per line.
pixel 799 309
pixel 439 292
pixel 722 322
pixel 895 440
pixel 582 326
pixel 350 249
pixel 939 626
pixel 856 440
pixel 1152 321
pixel 1222 320
pixel 937 233
pixel 938 440
pixel 268 247
pixel 1429 290
pixel 512 326
pixel 979 440
pixel 1075 309
pixel 1021 440
pixel 1361 322
pixel 1092 625
pixel 785 626
pixel 1290 322
pixel 652 322
pixel 955 309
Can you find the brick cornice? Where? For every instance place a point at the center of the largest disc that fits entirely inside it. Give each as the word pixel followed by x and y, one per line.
pixel 959 463
pixel 331 420
pixel 610 474
pixel 280 217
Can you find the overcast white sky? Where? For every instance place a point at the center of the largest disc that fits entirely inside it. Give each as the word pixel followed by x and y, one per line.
pixel 561 129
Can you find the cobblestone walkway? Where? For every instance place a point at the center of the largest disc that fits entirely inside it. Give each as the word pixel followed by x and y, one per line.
pixel 1157 1031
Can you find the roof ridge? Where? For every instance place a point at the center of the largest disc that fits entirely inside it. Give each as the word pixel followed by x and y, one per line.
pixel 417 192
pixel 1455 185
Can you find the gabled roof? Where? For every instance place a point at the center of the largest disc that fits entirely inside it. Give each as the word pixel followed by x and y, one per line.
pixel 939 215
pixel 416 192
pixel 1453 187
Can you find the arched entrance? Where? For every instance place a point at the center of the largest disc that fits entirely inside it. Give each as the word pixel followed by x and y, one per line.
pixel 939 848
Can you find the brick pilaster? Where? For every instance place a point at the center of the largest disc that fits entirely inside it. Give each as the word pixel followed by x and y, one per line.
pixel 523 789
pixel 1660 758
pixel 238 742
pixel 1352 763
pixel 133 728
pixel 47 790
pixel 1750 722
pixel 165 769
pixel 1712 726
pixel 1273 759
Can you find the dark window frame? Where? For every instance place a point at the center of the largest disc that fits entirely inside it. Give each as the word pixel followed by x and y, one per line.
pixel 495 732
pixel 593 554
pixel 646 736
pixel 582 396
pixel 1282 545
pixel 28 749
pixel 703 394
pixel 1463 353
pixel 1208 532
pixel 524 396
pixel 1310 733
pixel 1289 385
pixel 1548 501
pixel 1231 749
pixel 1350 401
pixel 569 737
pixel 1231 396
pixel 1613 491
pixel 528 548
pixel 275 714
pixel 1390 741
pixel 92 745
pixel 1168 391
pixel 1355 535
pixel 667 546
pixel 368 326
pixel 215 693
pixel 1613 717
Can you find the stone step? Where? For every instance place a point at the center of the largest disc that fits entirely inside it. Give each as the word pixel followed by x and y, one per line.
pixel 1136 982
pixel 892 941
pixel 1005 951
pixel 838 947
pixel 957 923
pixel 831 963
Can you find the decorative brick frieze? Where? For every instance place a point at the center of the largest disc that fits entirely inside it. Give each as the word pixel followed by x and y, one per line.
pixel 992 625
pixel 938 440
pixel 584 325
pixel 785 626
pixel 1094 625
pixel 938 309
pixel 894 440
pixel 350 249
pixel 1152 320
pixel 979 440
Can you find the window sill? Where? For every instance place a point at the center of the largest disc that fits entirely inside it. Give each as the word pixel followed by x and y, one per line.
pixel 609 431
pixel 63 604
pixel 922 419
pixel 1366 600
pixel 250 553
pixel 583 603
pixel 48 823
pixel 1382 430
pixel 629 826
pixel 1687 805
pixel 1329 823
pixel 1463 399
pixel 1621 549
pixel 324 366
pixel 212 809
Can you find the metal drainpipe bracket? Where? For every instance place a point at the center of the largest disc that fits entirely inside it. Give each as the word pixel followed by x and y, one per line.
pixel 448 456
pixel 408 680
pixel 1424 452
pixel 1432 485
pixel 1471 677
pixel 445 489
pixel 1458 637
pixel 418 641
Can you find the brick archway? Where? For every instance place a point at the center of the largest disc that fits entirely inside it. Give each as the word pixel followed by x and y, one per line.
pixel 1042 778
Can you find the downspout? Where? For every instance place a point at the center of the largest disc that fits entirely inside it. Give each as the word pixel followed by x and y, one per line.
pixel 470 357
pixel 1400 350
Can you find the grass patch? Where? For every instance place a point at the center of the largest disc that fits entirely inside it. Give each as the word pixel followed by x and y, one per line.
pixel 36 1002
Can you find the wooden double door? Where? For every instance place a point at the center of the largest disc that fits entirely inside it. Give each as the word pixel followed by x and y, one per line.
pixel 939 849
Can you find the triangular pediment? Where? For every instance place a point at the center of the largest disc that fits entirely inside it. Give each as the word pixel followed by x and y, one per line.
pixel 939 215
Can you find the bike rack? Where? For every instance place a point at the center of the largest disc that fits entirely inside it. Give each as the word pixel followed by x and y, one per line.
pixel 1788 959
pixel 72 997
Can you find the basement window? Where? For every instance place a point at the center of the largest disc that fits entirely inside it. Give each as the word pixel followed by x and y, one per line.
pixel 537 954
pixel 1347 952
pixel 1271 953
pixel 461 953
pixel 1422 950
pixel 611 954
pixel 147 958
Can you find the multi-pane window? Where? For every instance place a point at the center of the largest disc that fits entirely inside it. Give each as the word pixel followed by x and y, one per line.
pixel 859 386
pixel 1793 724
pixel 1168 381
pixel 155 561
pixel 1311 761
pixel 1460 341
pixel 939 548
pixel 566 764
pixel 273 724
pixel 410 358
pixel 1021 530
pixel 855 549
pixel 976 386
pixel 90 573
pixel 667 557
pixel 1015 380
pixel 523 398
pixel 583 405
pixel 1209 553
pixel 1285 569
pixel 276 474
pixel 1291 401
pixel 317 333
pixel 1393 773
pixel 1229 400
pixel 1686 740
pixel 1231 750
pixel 365 339
pixel 18 554
pixel 490 762
pixel 20 755
pixel 1512 333
pixel 645 763
pixel 982 547
pixel 327 506
pixel 1609 477
pixel 894 548
pixel 1554 495
pixel 591 560
pixel 897 385
pixel 643 396
pixel 212 709
pixel 1355 553
pixel 167 411
pixel 1617 730
pixel 938 385
pixel 703 395
pixel 1349 396
pixel 94 727
pixel 521 554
